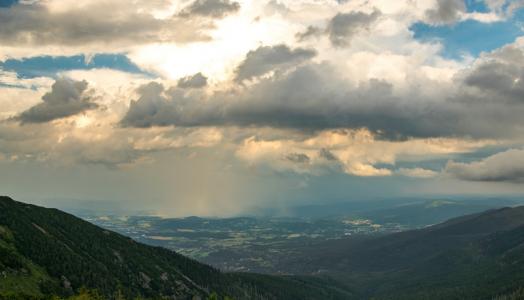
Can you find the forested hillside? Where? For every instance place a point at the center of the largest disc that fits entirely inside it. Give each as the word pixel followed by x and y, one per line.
pixel 479 256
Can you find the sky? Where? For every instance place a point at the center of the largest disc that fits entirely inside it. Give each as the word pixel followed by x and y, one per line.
pixel 225 107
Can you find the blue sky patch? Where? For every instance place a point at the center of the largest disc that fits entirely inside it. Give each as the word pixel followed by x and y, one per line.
pixel 471 37
pixel 49 66
pixel 7 3
pixel 476 6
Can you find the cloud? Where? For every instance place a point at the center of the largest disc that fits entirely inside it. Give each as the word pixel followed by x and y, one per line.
pixel 316 97
pixel 311 31
pixel 150 109
pixel 327 155
pixel 483 100
pixel 344 26
pixel 499 75
pixel 416 172
pixel 504 7
pixel 366 170
pixel 270 58
pixel 94 22
pixel 197 80
pixel 211 8
pixel 66 98
pixel 69 142
pixel 299 158
pixel 355 152
pixel 446 12
pixel 507 166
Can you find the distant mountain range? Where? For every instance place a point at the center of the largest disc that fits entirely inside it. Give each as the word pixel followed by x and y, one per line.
pixel 47 252
pixel 414 211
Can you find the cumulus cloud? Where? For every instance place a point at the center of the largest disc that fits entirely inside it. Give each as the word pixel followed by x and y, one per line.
pixel 344 26
pixel 66 98
pixel 446 12
pixel 499 74
pixel 269 58
pixel 211 8
pixel 197 80
pixel 483 101
pixel 507 166
pixel 150 109
pixel 94 22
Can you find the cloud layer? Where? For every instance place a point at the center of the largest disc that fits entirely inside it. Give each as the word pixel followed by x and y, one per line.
pixel 238 93
pixel 95 22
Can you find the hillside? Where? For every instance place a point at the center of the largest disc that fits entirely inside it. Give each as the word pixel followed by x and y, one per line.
pixel 48 252
pixel 478 256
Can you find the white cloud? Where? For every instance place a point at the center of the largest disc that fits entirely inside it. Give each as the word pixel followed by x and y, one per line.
pixel 507 166
pixel 417 172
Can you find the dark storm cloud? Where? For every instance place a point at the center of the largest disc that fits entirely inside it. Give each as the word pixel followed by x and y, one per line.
pixel 498 78
pixel 66 98
pixel 344 26
pixel 480 104
pixel 309 98
pixel 505 166
pixel 113 22
pixel 151 108
pixel 446 12
pixel 269 58
pixel 197 80
pixel 211 8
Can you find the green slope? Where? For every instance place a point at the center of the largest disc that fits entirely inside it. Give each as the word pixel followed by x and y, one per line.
pixel 19 276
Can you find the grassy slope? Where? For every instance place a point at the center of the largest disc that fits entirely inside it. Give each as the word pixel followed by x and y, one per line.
pixel 18 275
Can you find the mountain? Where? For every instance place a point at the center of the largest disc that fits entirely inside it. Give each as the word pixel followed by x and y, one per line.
pixel 429 212
pixel 47 252
pixel 479 256
pixel 411 212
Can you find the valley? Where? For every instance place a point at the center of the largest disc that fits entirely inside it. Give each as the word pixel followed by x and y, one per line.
pixel 267 244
